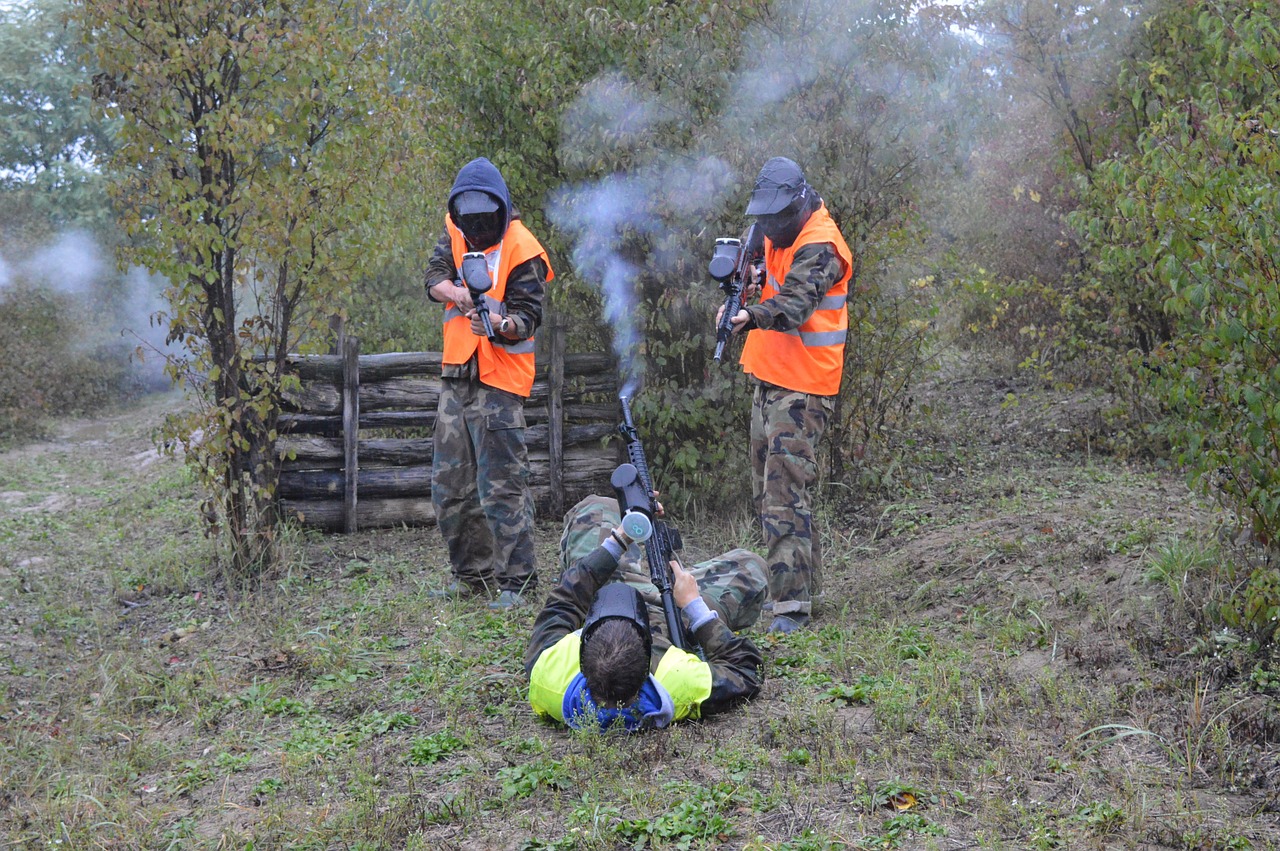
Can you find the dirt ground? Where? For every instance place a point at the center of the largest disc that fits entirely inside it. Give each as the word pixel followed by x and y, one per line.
pixel 1009 546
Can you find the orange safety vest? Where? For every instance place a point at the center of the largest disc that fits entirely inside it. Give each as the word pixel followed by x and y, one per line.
pixel 510 367
pixel 809 359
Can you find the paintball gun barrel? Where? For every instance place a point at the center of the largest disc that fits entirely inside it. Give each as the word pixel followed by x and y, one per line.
pixel 729 267
pixel 640 521
pixel 475 277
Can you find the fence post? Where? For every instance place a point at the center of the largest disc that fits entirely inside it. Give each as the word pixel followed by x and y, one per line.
pixel 555 416
pixel 338 327
pixel 350 429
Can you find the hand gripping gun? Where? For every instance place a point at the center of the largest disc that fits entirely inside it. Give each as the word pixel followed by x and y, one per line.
pixel 475 277
pixel 728 267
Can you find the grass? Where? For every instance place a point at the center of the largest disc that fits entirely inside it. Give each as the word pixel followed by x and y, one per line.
pixel 992 666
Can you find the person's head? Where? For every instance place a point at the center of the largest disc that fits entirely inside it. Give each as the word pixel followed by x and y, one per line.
pixel 480 205
pixel 616 641
pixel 782 201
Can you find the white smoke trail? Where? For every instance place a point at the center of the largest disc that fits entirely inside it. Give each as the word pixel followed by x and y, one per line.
pixel 111 314
pixel 72 264
pixel 600 216
pixel 620 227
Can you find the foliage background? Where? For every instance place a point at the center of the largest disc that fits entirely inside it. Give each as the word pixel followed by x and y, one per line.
pixel 1016 176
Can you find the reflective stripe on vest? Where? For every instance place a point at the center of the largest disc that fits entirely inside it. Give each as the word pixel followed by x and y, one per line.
pixel 808 359
pixel 507 368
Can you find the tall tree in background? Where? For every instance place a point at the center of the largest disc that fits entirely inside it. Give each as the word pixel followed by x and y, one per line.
pixel 1051 69
pixel 50 143
pixel 254 133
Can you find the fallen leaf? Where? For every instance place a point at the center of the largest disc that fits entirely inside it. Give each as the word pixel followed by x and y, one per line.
pixel 902 801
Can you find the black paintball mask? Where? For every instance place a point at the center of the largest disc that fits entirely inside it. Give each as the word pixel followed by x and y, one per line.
pixel 481 218
pixel 619 600
pixel 781 201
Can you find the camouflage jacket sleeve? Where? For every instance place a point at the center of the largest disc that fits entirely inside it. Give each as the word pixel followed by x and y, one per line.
pixel 814 270
pixel 440 268
pixel 735 666
pixel 522 302
pixel 567 604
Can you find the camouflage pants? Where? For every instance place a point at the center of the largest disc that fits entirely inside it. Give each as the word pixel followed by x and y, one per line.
pixel 785 429
pixel 735 584
pixel 480 486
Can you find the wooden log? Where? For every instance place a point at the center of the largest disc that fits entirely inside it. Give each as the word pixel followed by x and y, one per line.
pixel 374 367
pixel 377 367
pixel 325 453
pixel 314 397
pixel 384 513
pixel 423 393
pixel 373 483
pixel 593 412
pixel 555 416
pixel 370 513
pixel 298 425
pixel 578 464
pixel 399 393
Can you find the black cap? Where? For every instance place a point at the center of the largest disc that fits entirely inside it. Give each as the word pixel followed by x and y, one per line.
pixel 779 183
pixel 474 201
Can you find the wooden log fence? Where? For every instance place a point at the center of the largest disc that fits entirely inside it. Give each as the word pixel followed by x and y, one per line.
pixel 336 476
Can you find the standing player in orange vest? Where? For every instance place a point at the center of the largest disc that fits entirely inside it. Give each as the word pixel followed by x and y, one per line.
pixel 480 472
pixel 795 351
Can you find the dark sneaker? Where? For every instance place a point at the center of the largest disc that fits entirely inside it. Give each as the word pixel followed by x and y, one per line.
pixel 506 600
pixel 787 624
pixel 455 590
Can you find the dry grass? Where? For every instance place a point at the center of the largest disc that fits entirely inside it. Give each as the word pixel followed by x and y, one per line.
pixel 974 631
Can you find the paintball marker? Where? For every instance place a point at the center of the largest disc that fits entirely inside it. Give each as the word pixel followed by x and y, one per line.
pixel 728 267
pixel 475 277
pixel 639 509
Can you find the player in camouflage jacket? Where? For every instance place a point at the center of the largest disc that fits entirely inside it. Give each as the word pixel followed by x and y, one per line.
pixel 717 597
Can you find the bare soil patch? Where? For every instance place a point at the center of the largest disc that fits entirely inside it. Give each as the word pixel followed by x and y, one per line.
pixel 973 629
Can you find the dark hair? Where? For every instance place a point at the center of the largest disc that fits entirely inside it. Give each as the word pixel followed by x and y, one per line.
pixel 614 662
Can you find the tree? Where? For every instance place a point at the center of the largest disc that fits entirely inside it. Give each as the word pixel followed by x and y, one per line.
pixel 50 143
pixel 253 132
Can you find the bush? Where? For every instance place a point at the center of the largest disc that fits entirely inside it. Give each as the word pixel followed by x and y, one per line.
pixel 888 351
pixel 1186 225
pixel 53 365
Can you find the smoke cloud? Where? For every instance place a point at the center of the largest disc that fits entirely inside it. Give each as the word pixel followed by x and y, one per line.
pixel 113 312
pixel 72 264
pixel 621 227
pixel 876 103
